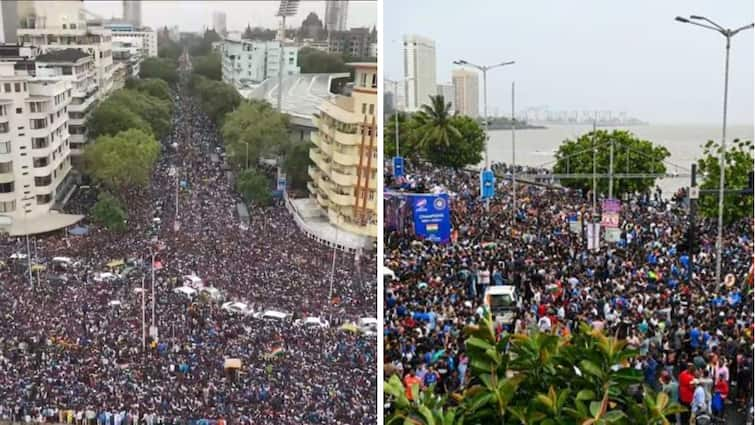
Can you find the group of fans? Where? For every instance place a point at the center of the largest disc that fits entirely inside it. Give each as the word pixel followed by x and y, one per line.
pixel 71 342
pixel 695 338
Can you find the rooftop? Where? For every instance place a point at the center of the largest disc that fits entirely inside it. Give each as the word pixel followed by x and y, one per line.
pixel 64 55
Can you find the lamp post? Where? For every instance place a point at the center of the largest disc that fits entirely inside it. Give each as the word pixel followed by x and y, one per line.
pixel 395 112
pixel 484 69
pixel 728 34
pixel 287 8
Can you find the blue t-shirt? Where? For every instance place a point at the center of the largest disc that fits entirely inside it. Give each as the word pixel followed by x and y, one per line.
pixel 430 378
pixel 694 338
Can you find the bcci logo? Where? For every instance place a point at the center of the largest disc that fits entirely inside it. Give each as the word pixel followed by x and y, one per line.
pixel 439 203
pixel 421 203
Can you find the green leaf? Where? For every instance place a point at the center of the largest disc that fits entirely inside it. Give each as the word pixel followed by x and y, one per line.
pixel 586 395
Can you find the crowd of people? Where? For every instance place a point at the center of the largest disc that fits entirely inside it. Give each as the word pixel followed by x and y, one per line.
pixel 72 346
pixel 689 334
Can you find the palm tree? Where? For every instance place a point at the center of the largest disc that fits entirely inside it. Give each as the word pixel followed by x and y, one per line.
pixel 435 124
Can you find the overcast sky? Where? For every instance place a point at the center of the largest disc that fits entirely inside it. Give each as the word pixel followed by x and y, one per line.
pixel 589 54
pixel 194 15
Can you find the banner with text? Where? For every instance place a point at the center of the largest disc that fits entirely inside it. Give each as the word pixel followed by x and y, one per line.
pixel 610 213
pixel 432 219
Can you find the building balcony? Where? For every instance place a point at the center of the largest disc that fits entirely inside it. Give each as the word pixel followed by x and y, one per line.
pixel 343 178
pixel 313 173
pixel 318 159
pixel 346 158
pixel 341 199
pixel 338 136
pixel 345 223
pixel 6 177
pixel 324 146
pixel 312 188
pixel 322 200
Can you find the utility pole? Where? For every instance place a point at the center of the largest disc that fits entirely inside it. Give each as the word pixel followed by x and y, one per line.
pixel 594 175
pixel 513 152
pixel 610 173
pixel 144 322
pixel 692 230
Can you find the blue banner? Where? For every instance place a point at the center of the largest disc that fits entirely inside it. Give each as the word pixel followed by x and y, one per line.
pixel 398 166
pixel 487 184
pixel 432 220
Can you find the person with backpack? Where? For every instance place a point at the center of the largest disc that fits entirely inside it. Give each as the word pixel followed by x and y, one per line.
pixel 720 394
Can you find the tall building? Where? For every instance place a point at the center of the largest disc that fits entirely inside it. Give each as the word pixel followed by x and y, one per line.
pixel 247 63
pixel 8 21
pixel 344 174
pixel 419 71
pixel 34 148
pixel 467 92
pixel 354 42
pixel 449 95
pixel 62 25
pixel 144 38
pixel 132 12
pixel 336 15
pixel 218 23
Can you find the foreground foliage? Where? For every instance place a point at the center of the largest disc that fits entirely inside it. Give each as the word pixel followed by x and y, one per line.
pixel 538 379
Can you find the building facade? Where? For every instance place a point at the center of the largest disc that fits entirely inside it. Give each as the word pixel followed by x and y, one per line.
pixel 354 42
pixel 78 67
pixel 336 15
pixel 218 23
pixel 344 174
pixel 419 71
pixel 449 94
pixel 145 38
pixel 467 92
pixel 247 63
pixel 34 143
pixel 8 21
pixel 129 55
pixel 132 12
pixel 62 25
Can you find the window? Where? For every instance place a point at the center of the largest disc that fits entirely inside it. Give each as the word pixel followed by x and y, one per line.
pixel 8 206
pixel 42 181
pixel 4 127
pixel 374 81
pixel 40 162
pixel 364 108
pixel 24 86
pixel 7 187
pixel 6 167
pixel 37 123
pixel 4 147
pixel 17 87
pixel 6 87
pixel 372 109
pixel 19 110
pixel 44 199
pixel 364 80
pixel 39 143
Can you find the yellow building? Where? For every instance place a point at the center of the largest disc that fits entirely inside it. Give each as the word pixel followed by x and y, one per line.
pixel 344 174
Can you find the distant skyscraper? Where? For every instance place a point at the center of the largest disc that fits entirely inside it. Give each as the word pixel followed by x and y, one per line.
pixel 8 21
pixel 449 95
pixel 467 91
pixel 419 71
pixel 218 22
pixel 336 14
pixel 132 12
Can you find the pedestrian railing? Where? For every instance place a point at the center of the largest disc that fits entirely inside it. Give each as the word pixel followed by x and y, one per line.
pixel 308 231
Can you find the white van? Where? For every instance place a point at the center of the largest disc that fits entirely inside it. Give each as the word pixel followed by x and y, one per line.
pixel 502 302
pixel 236 307
pixel 368 325
pixel 193 281
pixel 186 291
pixel 274 315
pixel 213 294
pixel 312 322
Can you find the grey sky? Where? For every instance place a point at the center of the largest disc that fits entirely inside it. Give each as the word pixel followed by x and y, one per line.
pixel 193 15
pixel 589 54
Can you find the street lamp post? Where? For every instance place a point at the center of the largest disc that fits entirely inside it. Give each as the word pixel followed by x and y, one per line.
pixel 484 69
pixel 728 34
pixel 395 112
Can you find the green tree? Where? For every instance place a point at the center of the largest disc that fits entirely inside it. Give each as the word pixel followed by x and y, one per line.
pixel 150 86
pixel 208 66
pixel 407 136
pixel 254 129
pixel 151 109
pixel 109 212
pixel 215 97
pixel 296 163
pixel 254 187
pixel 316 61
pixel 631 154
pixel 434 124
pixel 110 118
pixel 162 68
pixel 466 149
pixel 124 161
pixel 739 160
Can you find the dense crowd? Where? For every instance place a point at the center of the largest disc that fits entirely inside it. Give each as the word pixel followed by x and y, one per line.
pixel 689 335
pixel 71 344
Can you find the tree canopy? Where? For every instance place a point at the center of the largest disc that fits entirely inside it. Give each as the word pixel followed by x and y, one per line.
pixel 538 378
pixel 254 187
pixel 435 126
pixel 296 162
pixel 255 126
pixel 630 154
pixel 110 118
pixel 123 161
pixel 739 160
pixel 151 109
pixel 462 150
pixel 316 61
pixel 208 66
pixel 160 67
pixel 215 97
pixel 109 212
pixel 151 86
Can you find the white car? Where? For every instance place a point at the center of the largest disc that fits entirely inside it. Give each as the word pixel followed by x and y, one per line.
pixel 193 281
pixel 272 315
pixel 105 277
pixel 312 322
pixel 368 325
pixel 236 307
pixel 186 291
pixel 213 293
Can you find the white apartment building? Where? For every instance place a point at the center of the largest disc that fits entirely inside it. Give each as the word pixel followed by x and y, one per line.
pixel 447 91
pixel 62 25
pixel 248 63
pixel 128 54
pixel 144 38
pixel 78 67
pixel 34 149
pixel 467 92
pixel 419 71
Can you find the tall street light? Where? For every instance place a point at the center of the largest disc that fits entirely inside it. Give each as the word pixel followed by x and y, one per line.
pixel 286 8
pixel 395 112
pixel 484 70
pixel 728 34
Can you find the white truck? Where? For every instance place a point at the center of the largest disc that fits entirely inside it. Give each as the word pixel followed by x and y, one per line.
pixel 502 302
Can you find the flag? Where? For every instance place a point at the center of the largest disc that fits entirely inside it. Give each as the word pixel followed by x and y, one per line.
pixel 277 351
